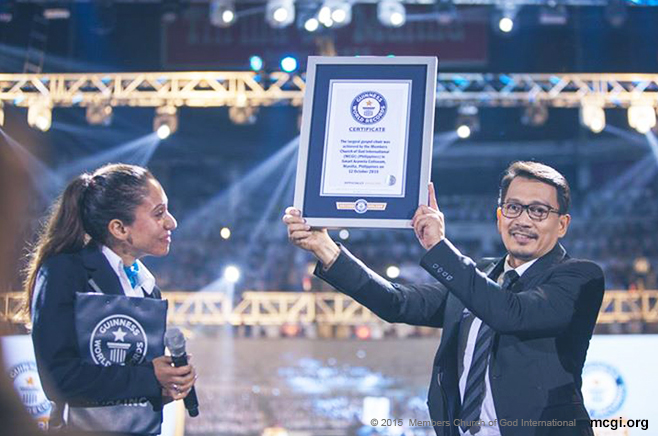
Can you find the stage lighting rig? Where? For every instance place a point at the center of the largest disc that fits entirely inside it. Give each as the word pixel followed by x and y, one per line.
pixel 592 115
pixel 222 13
pixel 40 115
pixel 642 117
pixel 535 115
pixel 467 121
pixel 99 114
pixel 242 115
pixel 391 13
pixel 335 13
pixel 280 13
pixel 165 122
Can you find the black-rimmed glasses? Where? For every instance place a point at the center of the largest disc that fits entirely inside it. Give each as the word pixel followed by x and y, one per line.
pixel 536 212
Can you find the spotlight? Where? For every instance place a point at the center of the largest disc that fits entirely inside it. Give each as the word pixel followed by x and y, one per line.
pixel 503 19
pixel 99 114
pixel 232 274
pixel 222 13
pixel 336 12
pixel 535 115
pixel 40 115
pixel 393 272
pixel 463 131
pixel 225 233
pixel 163 132
pixel 311 25
pixel 324 16
pixel 242 115
pixel 279 13
pixel 467 121
pixel 165 122
pixel 592 116
pixel 642 117
pixel 289 64
pixel 256 63
pixel 391 13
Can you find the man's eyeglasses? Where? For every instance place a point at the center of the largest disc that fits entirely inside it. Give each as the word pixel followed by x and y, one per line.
pixel 536 212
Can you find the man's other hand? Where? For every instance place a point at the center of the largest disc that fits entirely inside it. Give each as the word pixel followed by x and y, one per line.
pixel 428 222
pixel 317 241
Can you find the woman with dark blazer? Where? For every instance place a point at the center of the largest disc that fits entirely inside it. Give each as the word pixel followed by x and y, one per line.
pixel 97 231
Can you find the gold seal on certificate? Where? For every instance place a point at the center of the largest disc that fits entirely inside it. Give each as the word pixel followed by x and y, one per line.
pixel 365 146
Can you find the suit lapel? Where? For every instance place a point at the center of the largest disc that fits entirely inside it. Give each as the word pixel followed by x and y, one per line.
pixel 556 255
pixel 100 271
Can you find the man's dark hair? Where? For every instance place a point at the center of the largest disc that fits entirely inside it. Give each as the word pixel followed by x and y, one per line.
pixel 541 172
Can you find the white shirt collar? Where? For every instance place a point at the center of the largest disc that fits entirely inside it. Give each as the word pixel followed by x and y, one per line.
pixel 520 270
pixel 145 279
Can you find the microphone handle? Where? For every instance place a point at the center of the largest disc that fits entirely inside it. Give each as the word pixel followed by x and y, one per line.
pixel 191 401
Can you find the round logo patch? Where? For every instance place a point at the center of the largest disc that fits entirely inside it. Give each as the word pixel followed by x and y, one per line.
pixel 604 390
pixel 118 340
pixel 368 107
pixel 27 385
pixel 361 206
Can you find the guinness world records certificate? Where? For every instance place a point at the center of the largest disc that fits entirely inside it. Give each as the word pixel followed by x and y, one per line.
pixel 366 139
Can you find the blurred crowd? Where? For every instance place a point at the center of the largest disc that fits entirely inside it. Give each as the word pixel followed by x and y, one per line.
pixel 618 233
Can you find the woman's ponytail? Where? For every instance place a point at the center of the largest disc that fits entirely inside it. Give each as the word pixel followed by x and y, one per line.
pixel 62 232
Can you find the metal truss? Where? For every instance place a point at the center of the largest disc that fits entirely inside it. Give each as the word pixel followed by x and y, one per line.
pixel 248 89
pixel 328 308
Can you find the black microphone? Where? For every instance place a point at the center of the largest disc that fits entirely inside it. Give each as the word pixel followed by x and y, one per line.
pixel 175 341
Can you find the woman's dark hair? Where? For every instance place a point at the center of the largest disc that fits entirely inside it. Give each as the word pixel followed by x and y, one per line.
pixel 542 173
pixel 83 212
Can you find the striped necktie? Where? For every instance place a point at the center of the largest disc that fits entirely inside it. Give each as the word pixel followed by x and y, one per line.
pixel 475 383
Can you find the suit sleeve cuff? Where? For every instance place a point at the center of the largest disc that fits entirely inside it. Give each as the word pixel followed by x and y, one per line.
pixel 442 261
pixel 345 274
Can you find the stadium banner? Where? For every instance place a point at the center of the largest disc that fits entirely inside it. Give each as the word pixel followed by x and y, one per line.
pixel 620 384
pixel 19 365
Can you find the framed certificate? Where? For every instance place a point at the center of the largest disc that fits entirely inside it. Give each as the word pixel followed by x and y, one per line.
pixel 365 149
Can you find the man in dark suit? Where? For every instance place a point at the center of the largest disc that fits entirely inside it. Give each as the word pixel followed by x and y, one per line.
pixel 515 332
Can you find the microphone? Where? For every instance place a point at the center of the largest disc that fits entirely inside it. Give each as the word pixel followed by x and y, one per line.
pixel 175 341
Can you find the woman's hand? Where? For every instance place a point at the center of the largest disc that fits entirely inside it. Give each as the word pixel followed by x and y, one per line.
pixel 176 382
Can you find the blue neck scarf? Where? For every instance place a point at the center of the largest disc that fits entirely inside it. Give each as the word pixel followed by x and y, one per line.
pixel 132 272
